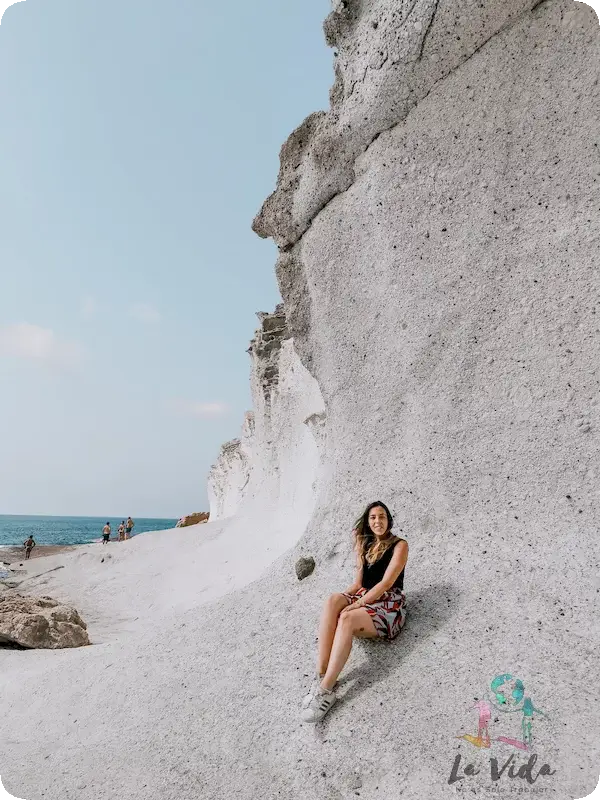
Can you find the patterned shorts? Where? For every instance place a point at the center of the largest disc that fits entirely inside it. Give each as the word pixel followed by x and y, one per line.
pixel 388 613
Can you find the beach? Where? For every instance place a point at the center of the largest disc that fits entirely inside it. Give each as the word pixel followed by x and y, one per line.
pixel 54 535
pixel 145 604
pixel 16 555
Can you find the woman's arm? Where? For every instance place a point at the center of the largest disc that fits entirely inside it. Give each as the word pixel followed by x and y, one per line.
pixel 395 567
pixel 354 587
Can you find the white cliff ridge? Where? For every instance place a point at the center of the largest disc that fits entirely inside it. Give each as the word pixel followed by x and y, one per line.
pixel 229 476
pixel 275 464
pixel 389 55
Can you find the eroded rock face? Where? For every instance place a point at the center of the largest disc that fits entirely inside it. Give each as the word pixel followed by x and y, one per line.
pixel 275 465
pixel 40 622
pixel 265 348
pixel 229 475
pixel 446 301
pixel 389 56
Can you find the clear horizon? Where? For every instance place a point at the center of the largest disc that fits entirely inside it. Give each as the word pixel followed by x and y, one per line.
pixel 85 516
pixel 134 158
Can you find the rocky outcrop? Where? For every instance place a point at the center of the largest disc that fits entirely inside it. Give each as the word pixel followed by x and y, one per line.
pixel 229 475
pixel 193 519
pixel 40 623
pixel 389 55
pixel 274 466
pixel 265 348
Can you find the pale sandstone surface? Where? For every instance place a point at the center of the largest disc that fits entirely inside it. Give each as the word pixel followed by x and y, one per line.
pixel 276 462
pixel 389 54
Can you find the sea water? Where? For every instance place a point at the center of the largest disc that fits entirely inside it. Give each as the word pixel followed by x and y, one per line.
pixel 69 530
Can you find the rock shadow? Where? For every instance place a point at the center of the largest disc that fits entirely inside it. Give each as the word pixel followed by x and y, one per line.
pixel 7 645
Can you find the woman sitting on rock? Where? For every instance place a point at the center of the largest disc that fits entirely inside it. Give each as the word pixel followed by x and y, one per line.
pixel 373 607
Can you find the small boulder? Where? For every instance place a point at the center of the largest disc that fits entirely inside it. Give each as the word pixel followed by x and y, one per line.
pixel 40 622
pixel 304 567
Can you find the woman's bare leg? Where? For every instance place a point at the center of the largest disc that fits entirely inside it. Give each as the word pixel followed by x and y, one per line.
pixel 354 623
pixel 329 620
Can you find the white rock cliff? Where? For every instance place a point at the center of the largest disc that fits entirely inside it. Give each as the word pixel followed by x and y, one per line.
pixel 439 242
pixel 274 466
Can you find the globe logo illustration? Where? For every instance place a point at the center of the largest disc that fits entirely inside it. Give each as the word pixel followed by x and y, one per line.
pixel 507 692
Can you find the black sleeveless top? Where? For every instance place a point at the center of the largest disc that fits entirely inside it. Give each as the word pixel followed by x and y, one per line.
pixel 374 573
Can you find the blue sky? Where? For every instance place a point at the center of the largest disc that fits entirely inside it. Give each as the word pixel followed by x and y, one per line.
pixel 138 141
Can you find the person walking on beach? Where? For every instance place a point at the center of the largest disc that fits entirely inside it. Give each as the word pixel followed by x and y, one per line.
pixel 129 527
pixel 374 606
pixel 106 533
pixel 28 544
pixel 121 531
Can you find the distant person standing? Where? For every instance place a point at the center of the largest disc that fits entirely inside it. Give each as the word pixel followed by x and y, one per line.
pixel 29 544
pixel 121 530
pixel 106 533
pixel 129 527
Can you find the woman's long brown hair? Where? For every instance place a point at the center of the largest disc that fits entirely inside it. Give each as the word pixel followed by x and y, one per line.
pixel 367 545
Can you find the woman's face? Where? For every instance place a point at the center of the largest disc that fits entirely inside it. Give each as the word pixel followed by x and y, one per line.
pixel 378 521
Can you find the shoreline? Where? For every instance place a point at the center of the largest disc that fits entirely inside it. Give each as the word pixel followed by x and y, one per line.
pixel 11 554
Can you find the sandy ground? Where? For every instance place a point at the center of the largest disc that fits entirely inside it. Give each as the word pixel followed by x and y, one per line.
pixel 143 603
pixel 16 555
pixel 125 587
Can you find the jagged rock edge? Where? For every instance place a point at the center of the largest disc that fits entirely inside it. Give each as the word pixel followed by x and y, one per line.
pixel 289 247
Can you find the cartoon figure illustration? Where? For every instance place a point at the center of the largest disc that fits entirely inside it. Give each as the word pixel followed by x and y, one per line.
pixel 507 695
pixel 483 737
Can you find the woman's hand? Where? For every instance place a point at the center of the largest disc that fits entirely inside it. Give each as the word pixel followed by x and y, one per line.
pixel 351 607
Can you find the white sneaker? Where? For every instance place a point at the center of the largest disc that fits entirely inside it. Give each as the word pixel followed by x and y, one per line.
pixel 319 705
pixel 314 688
